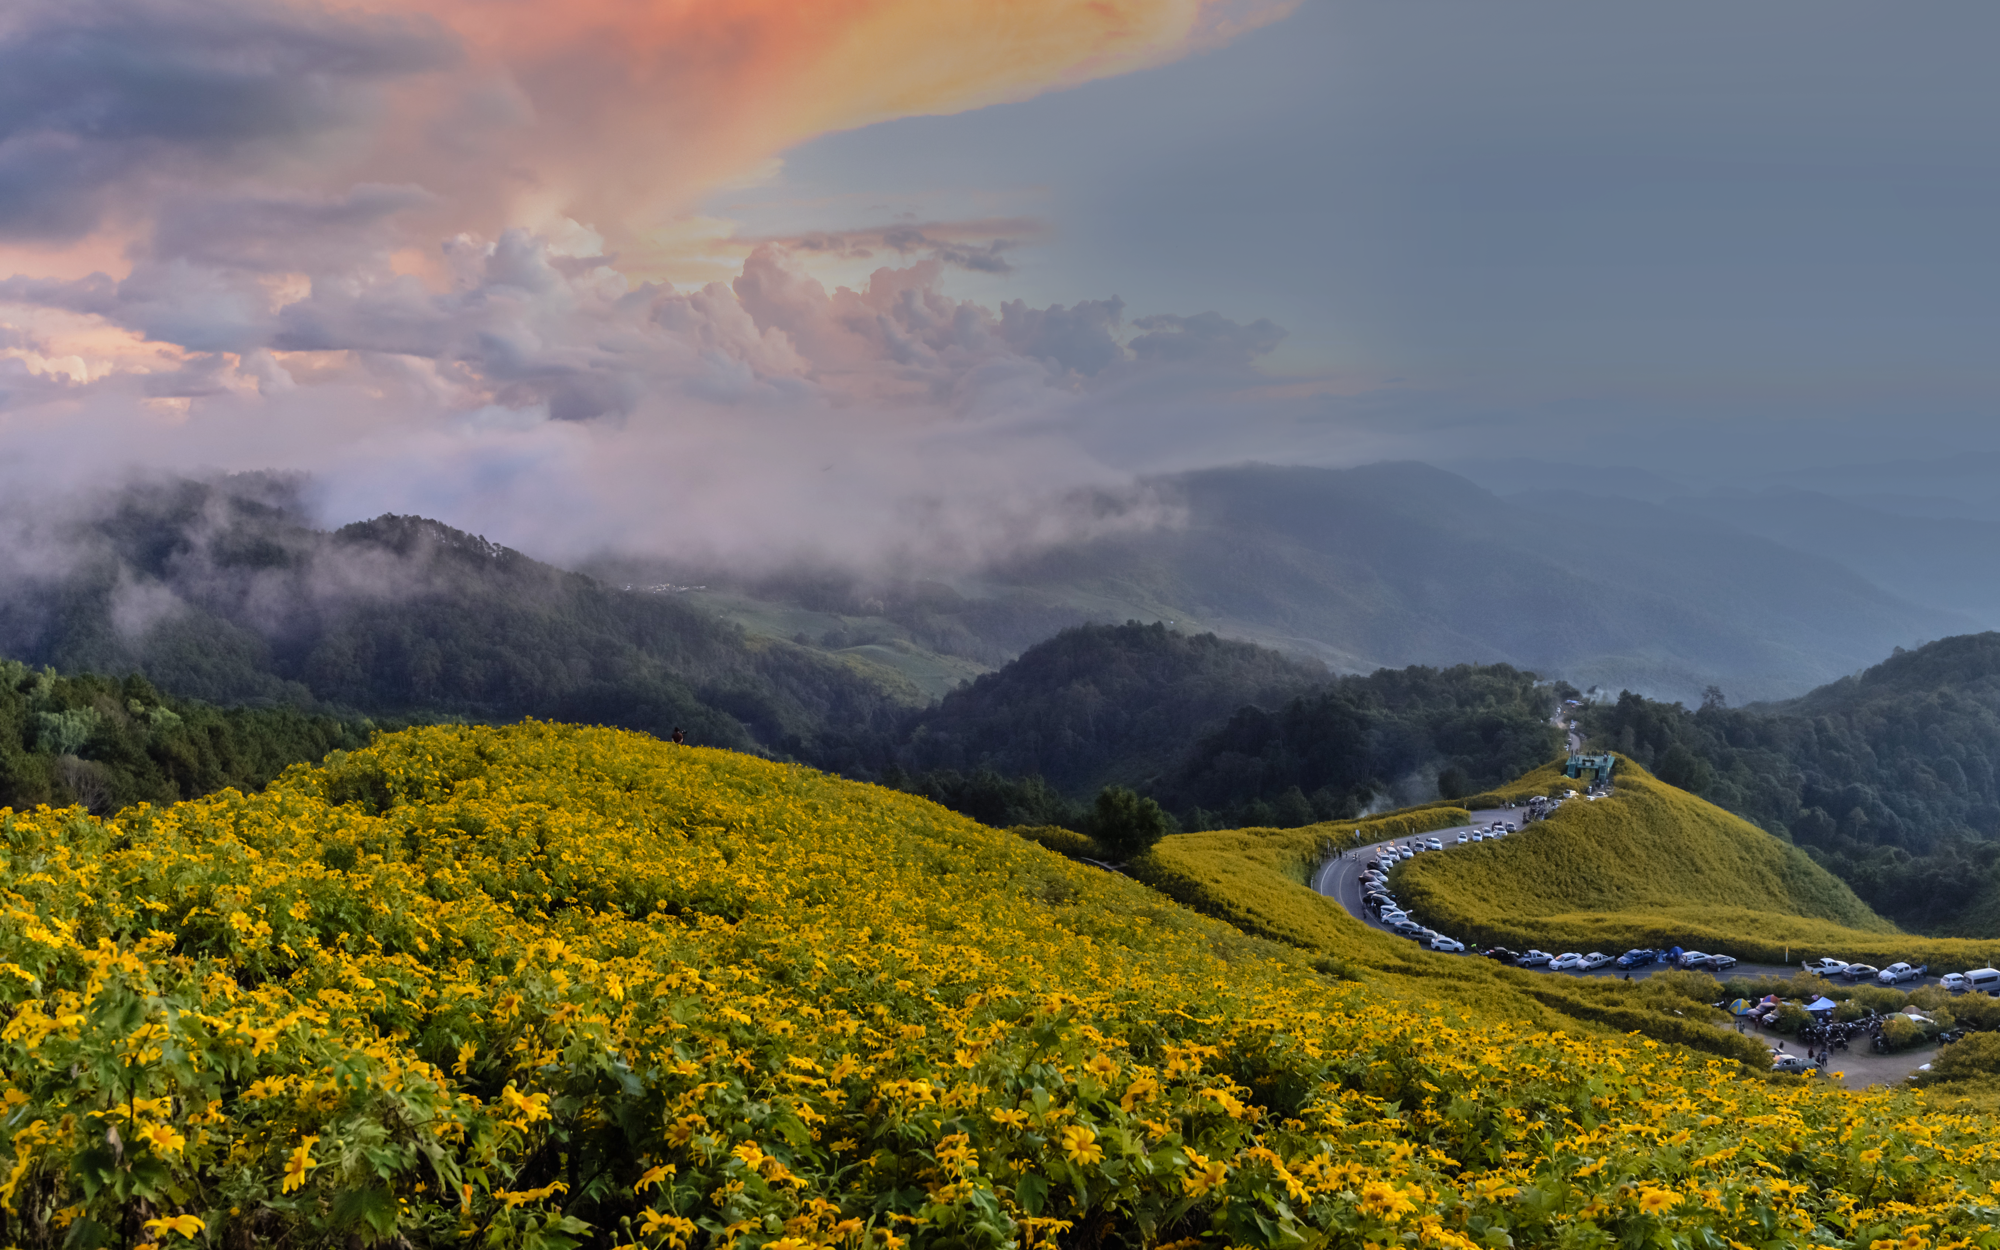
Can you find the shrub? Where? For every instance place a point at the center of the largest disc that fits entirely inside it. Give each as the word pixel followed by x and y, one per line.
pixel 1901 1032
pixel 1792 1017
pixel 1977 1055
pixel 1880 998
pixel 1977 1011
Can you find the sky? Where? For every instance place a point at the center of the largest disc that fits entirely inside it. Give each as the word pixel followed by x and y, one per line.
pixel 888 281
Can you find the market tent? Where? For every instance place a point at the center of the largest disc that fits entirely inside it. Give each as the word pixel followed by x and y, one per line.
pixel 1821 1006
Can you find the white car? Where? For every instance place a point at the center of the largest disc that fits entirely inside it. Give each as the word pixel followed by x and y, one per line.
pixel 1404 852
pixel 1462 839
pixel 1435 845
pixel 1450 946
pixel 1392 913
pixel 1533 959
pixel 1594 960
pixel 1478 837
pixel 1953 982
pixel 1899 971
pixel 1569 961
pixel 1826 967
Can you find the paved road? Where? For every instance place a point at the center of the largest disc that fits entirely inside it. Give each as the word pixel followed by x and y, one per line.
pixel 1340 879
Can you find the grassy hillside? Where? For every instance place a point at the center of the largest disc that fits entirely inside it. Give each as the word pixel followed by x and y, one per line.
pixel 1886 776
pixel 545 986
pixel 1653 865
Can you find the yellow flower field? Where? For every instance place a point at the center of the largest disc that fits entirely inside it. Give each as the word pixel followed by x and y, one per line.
pixel 550 986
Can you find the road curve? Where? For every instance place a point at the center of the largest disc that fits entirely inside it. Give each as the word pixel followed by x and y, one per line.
pixel 1340 879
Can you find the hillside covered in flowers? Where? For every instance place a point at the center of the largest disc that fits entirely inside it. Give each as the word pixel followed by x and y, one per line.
pixel 549 986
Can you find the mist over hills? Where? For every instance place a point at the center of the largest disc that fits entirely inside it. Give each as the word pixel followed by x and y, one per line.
pixel 1398 564
pixel 221 591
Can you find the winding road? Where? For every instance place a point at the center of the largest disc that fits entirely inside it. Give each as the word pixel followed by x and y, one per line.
pixel 1340 880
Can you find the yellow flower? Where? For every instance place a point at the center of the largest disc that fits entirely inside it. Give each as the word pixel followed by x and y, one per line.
pixel 1079 1143
pixel 184 1225
pixel 1871 1156
pixel 1654 1201
pixel 1101 1066
pixel 1385 1201
pixel 1008 1118
pixel 163 1138
pixel 653 1176
pixel 299 1164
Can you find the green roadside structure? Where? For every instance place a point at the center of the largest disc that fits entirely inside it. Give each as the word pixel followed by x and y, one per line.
pixel 1594 768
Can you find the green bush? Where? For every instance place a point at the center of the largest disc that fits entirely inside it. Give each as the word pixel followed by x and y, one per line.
pixel 1901 1032
pixel 1880 998
pixel 1977 1011
pixel 1974 1056
pixel 1792 1017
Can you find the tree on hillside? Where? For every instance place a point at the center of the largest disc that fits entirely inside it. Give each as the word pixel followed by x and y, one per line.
pixel 1125 824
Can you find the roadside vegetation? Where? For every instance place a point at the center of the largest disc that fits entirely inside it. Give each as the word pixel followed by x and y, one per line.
pixel 542 986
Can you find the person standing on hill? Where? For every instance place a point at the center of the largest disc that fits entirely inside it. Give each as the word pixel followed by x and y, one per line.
pixel 679 737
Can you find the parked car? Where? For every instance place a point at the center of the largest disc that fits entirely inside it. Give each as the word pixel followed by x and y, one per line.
pixel 1463 839
pixel 1860 972
pixel 1595 960
pixel 1450 946
pixel 1637 957
pixel 1693 959
pixel 1405 925
pixel 1719 963
pixel 1826 967
pixel 1502 954
pixel 1404 852
pixel 1953 982
pixel 1568 961
pixel 1435 845
pixel 1535 959
pixel 1376 899
pixel 1478 836
pixel 1899 971
pixel 1510 827
pixel 1793 1063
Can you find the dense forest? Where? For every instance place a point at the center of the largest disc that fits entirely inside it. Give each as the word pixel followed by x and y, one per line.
pixel 1220 733
pixel 108 744
pixel 1887 777
pixel 222 591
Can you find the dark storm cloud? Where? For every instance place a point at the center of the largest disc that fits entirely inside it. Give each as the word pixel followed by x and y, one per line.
pixel 95 94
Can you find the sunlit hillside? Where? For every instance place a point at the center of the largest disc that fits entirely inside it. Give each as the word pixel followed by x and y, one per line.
pixel 1654 865
pixel 544 986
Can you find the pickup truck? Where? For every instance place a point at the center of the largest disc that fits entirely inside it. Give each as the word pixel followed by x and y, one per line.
pixel 1826 967
pixel 1900 971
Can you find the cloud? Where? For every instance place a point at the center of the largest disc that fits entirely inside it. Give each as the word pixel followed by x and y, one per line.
pixel 414 247
pixel 563 408
pixel 100 96
pixel 1209 338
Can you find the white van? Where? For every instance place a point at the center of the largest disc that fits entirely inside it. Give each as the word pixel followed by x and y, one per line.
pixel 1983 981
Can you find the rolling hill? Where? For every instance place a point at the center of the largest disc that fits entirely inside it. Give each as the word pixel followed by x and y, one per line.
pixel 221 591
pixel 544 985
pixel 1390 565
pixel 1655 866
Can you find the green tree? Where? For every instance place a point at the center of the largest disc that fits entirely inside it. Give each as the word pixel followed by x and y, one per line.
pixel 1125 824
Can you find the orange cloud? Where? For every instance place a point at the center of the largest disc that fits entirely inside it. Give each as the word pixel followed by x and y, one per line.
pixel 623 111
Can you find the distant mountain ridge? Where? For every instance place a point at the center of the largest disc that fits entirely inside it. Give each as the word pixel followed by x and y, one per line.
pixel 221 591
pixel 1397 564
